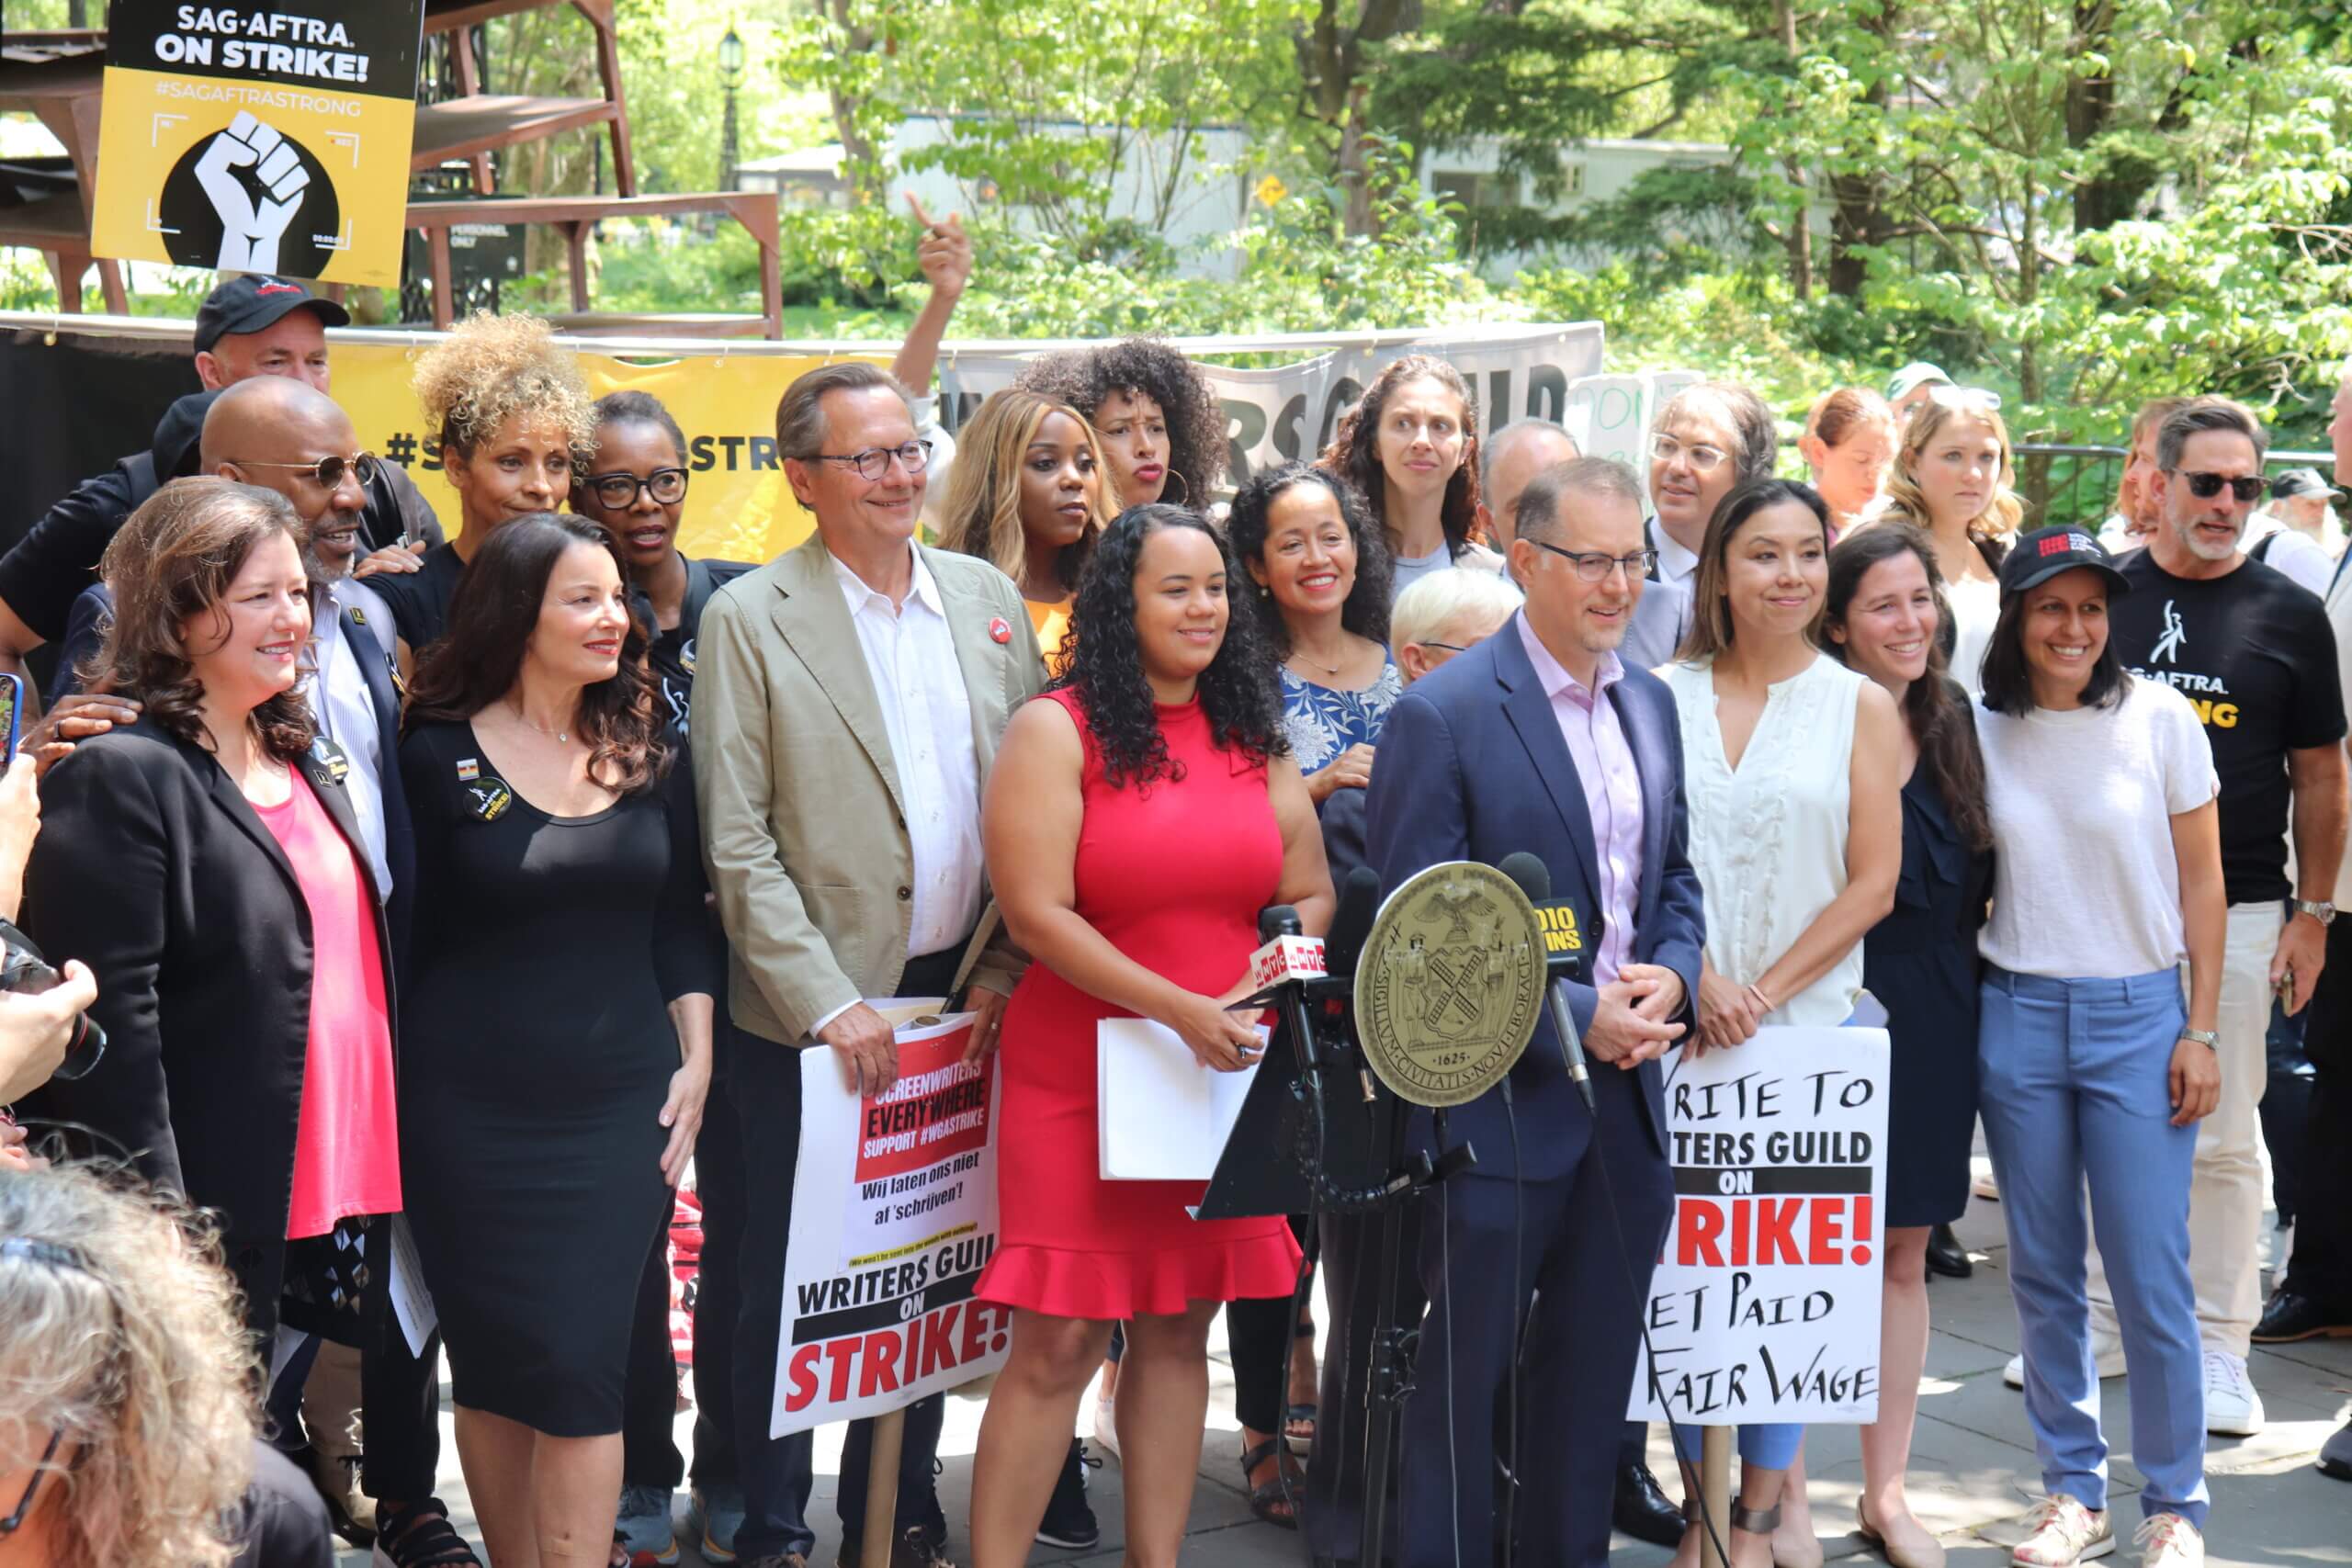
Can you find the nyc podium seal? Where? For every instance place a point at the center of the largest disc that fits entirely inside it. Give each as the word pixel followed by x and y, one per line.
pixel 1451 984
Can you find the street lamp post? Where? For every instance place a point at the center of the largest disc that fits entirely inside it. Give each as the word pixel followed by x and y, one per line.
pixel 730 77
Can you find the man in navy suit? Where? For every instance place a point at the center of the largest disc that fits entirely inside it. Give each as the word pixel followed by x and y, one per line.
pixel 1540 740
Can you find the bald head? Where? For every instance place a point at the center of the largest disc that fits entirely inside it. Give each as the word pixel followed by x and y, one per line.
pixel 1513 455
pixel 273 431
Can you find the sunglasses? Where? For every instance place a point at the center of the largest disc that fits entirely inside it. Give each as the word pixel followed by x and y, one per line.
pixel 2243 487
pixel 16 1521
pixel 328 471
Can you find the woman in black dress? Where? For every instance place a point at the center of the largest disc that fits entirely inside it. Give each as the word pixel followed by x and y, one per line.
pixel 558 1022
pixel 1886 604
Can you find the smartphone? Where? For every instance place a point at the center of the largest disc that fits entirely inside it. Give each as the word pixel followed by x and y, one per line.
pixel 12 713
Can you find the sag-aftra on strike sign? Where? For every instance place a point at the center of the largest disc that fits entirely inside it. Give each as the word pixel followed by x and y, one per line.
pixel 269 138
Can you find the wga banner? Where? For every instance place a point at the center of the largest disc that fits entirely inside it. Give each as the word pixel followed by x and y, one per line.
pixel 893 1217
pixel 259 138
pixel 1765 1305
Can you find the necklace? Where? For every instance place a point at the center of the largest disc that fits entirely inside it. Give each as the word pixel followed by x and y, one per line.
pixel 563 736
pixel 1315 663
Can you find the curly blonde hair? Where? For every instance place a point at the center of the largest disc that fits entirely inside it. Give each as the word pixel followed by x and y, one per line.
pixel 493 369
pixel 119 1331
pixel 2002 515
pixel 982 512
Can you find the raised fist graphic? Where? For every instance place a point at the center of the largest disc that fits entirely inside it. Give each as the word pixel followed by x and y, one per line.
pixel 255 210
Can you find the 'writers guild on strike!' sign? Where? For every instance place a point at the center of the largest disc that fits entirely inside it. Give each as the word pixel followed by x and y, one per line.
pixel 1765 1302
pixel 259 138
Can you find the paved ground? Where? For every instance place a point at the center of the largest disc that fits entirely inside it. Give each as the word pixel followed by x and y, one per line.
pixel 1973 1466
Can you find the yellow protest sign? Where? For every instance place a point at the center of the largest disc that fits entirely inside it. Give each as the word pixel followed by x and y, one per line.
pixel 259 138
pixel 737 506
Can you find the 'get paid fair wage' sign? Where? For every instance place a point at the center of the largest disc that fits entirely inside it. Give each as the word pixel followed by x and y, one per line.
pixel 259 138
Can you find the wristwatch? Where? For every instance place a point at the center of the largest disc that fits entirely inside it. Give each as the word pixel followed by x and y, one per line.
pixel 2209 1039
pixel 2322 912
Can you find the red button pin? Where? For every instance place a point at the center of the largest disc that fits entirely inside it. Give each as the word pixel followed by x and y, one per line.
pixel 1000 629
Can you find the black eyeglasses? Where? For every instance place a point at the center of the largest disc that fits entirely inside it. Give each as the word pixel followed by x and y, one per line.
pixel 15 1521
pixel 875 461
pixel 1593 566
pixel 1449 647
pixel 619 490
pixel 328 471
pixel 2205 486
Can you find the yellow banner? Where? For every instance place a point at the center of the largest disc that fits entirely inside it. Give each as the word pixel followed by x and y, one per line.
pixel 737 506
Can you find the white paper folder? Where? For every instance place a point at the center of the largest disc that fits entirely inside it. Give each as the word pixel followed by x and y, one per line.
pixel 1163 1116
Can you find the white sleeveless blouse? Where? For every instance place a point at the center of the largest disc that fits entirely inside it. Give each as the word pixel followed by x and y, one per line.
pixel 1769 840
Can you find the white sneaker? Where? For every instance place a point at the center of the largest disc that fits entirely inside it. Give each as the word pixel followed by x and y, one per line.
pixel 2107 1349
pixel 2061 1533
pixel 2232 1406
pixel 1106 1427
pixel 2167 1541
pixel 1982 1185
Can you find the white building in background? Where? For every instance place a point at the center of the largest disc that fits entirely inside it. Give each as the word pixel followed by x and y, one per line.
pixel 1210 200
pixel 1213 196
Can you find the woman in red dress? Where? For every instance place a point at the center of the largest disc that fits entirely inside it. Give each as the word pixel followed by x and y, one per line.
pixel 1139 816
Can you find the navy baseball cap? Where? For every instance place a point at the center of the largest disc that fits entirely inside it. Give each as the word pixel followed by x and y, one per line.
pixel 256 301
pixel 2038 556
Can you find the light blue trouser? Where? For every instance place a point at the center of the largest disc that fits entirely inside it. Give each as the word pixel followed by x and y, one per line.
pixel 1767 1445
pixel 2076 1086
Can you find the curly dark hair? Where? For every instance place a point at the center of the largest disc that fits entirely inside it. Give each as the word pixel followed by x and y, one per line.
pixel 1102 661
pixel 174 560
pixel 491 616
pixel 1354 451
pixel 1366 610
pixel 1085 379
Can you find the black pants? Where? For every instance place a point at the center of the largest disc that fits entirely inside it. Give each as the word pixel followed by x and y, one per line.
pixel 649 1394
pixel 1259 1331
pixel 649 1449
pixel 401 1396
pixel 2320 1266
pixel 778 1473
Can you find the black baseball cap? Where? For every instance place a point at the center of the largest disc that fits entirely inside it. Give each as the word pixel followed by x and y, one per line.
pixel 2038 556
pixel 249 303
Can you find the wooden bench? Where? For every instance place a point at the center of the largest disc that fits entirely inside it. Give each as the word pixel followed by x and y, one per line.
pixel 470 128
pixel 575 216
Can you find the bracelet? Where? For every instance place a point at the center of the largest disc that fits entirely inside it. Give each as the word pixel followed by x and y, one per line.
pixel 1756 992
pixel 2209 1038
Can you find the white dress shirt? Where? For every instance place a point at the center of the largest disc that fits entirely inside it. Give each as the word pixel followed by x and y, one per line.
pixel 1674 564
pixel 346 709
pixel 910 653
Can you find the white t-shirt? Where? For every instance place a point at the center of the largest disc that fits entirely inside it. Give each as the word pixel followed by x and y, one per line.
pixel 2084 882
pixel 2302 559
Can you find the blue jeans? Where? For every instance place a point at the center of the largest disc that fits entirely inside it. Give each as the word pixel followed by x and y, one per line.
pixel 2076 1086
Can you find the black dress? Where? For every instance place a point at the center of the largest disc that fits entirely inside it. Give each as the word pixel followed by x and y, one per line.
pixel 536 1055
pixel 1921 963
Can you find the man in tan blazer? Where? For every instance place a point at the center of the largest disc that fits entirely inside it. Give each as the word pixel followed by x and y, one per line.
pixel 847 705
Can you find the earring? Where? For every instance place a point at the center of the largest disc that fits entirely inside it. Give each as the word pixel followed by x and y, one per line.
pixel 1178 474
pixel 1264 592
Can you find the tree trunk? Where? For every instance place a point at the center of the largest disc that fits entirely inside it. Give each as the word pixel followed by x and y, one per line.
pixel 861 160
pixel 1800 239
pixel 1332 64
pixel 1859 218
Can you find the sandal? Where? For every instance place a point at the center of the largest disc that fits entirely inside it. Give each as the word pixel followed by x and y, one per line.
pixel 1275 1501
pixel 421 1536
pixel 1294 1419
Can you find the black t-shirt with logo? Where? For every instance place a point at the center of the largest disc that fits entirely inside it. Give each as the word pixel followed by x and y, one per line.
pixel 2252 653
pixel 672 654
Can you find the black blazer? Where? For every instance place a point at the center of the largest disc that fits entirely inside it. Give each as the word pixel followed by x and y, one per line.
pixel 151 869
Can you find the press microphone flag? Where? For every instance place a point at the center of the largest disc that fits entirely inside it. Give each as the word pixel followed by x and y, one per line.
pixel 1562 948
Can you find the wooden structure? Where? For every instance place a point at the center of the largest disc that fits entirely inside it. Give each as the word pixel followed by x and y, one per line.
pixel 58 77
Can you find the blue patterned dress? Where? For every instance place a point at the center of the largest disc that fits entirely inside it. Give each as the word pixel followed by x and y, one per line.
pixel 1321 722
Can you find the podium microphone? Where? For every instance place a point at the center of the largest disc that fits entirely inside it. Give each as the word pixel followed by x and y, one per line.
pixel 1351 922
pixel 1562 944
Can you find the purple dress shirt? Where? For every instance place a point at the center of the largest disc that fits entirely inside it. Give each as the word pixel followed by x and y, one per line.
pixel 1612 789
